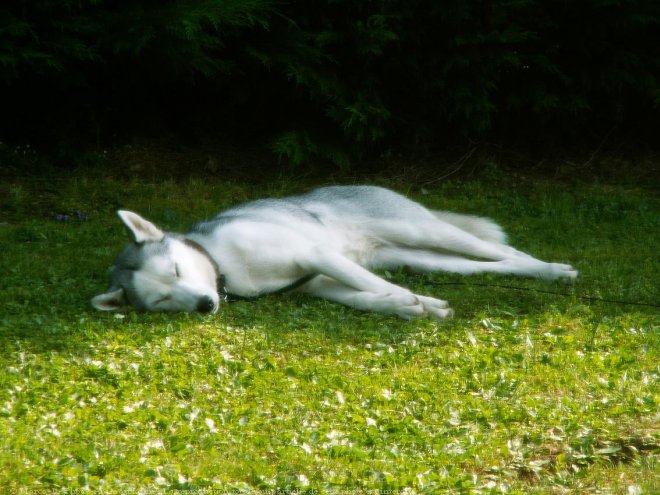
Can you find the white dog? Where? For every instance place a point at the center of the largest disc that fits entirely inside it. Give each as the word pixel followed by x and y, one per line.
pixel 322 243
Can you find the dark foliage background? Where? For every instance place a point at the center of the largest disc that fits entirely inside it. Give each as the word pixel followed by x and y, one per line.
pixel 336 79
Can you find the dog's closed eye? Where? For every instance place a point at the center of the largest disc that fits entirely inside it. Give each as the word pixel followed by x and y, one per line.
pixel 163 299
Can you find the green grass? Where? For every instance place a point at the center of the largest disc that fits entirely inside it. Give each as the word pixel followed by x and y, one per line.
pixel 522 392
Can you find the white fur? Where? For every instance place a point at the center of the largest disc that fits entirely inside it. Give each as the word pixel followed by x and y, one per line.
pixel 339 234
pixel 169 288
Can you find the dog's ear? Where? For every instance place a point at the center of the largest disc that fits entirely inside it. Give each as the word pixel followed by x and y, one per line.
pixel 139 229
pixel 110 301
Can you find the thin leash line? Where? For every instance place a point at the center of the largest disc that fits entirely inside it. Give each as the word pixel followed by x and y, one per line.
pixel 541 291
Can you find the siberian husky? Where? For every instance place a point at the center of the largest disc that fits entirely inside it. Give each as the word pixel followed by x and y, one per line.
pixel 322 243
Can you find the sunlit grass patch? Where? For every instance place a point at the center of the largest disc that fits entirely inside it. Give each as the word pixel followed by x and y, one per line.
pixel 523 392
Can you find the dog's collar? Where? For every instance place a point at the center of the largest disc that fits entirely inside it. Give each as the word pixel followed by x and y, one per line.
pixel 220 280
pixel 219 277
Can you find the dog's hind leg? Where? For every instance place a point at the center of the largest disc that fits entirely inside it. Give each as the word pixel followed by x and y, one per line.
pixel 438 235
pixel 429 261
pixel 444 238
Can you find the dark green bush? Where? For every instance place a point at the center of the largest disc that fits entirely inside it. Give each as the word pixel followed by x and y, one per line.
pixel 332 78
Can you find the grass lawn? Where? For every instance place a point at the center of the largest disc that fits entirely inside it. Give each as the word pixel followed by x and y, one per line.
pixel 521 392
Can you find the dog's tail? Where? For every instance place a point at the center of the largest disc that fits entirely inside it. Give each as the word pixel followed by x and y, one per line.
pixel 483 228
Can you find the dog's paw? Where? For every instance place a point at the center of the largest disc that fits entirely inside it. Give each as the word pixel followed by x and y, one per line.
pixel 410 306
pixel 407 306
pixel 436 308
pixel 560 271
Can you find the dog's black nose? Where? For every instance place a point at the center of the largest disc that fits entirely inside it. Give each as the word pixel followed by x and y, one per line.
pixel 205 304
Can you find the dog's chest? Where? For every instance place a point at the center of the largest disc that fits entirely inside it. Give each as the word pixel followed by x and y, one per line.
pixel 257 257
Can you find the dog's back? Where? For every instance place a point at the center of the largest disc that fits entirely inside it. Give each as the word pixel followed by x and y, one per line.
pixel 328 206
pixel 360 203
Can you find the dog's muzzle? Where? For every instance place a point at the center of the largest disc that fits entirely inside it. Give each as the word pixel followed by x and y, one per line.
pixel 205 305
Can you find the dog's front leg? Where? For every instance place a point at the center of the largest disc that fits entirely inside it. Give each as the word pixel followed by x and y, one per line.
pixel 336 266
pixel 405 305
pixel 349 283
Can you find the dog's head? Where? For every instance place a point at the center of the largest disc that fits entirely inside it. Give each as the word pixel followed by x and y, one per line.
pixel 160 272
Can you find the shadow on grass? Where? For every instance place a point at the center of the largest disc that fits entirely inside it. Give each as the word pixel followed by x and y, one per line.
pixel 52 313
